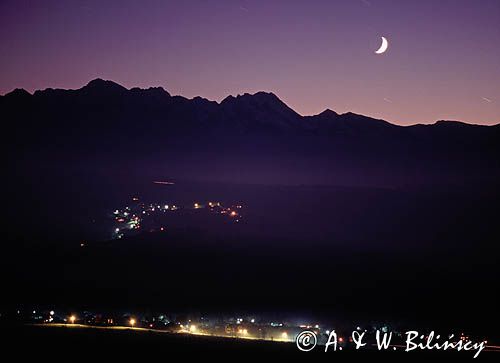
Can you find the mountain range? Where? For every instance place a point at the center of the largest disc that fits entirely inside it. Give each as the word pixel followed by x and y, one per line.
pixel 251 137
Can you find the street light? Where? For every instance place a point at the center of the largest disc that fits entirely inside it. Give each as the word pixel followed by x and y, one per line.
pixel 132 321
pixel 72 319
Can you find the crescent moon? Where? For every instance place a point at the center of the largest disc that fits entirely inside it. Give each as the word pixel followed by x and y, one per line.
pixel 383 46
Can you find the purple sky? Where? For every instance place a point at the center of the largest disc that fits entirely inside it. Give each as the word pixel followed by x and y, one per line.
pixel 443 60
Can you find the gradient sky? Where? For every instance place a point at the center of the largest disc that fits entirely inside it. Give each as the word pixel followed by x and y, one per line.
pixel 443 60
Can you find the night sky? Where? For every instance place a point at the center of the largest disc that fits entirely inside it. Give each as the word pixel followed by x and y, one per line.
pixel 443 60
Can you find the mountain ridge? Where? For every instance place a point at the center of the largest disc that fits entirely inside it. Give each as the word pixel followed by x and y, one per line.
pixel 108 88
pixel 249 137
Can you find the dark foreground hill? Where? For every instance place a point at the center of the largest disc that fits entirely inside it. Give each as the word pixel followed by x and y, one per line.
pixel 87 344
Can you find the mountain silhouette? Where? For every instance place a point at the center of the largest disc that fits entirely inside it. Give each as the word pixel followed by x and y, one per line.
pixel 251 137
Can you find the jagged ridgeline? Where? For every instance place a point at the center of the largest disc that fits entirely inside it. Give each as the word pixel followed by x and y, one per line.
pixel 254 138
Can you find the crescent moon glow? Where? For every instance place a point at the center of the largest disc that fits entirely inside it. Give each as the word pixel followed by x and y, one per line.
pixel 383 46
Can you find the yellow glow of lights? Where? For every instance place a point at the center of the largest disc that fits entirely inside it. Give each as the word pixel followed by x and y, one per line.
pixel 193 328
pixel 132 321
pixel 284 335
pixel 72 319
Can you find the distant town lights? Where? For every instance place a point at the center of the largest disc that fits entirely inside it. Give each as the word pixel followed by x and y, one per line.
pixel 129 219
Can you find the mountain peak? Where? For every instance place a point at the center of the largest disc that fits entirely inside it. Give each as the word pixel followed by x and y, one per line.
pixel 450 123
pixel 269 95
pixel 264 101
pixel 260 96
pixel 153 91
pixel 101 85
pixel 328 113
pixel 18 92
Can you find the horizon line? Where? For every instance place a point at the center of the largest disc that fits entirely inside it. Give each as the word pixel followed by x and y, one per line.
pixel 250 94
